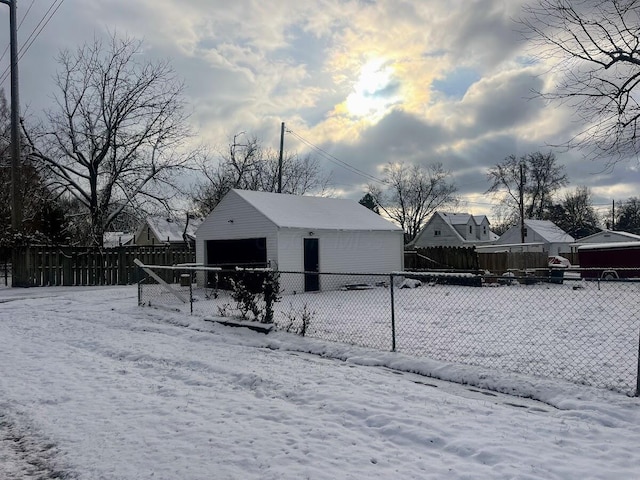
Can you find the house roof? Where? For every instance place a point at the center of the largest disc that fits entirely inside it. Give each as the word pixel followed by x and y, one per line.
pixel 115 239
pixel 453 219
pixel 295 211
pixel 461 218
pixel 167 229
pixel 623 236
pixel 549 231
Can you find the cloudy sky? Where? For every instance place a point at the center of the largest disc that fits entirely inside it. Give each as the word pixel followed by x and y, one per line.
pixel 365 81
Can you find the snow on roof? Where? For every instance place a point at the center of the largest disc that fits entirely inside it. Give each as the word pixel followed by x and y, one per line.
pixel 480 218
pixel 615 233
pixel 549 231
pixel 455 218
pixel 462 218
pixel 610 246
pixel 295 211
pixel 167 229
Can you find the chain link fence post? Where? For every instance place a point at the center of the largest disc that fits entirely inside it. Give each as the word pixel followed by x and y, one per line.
pixel 191 294
pixel 393 315
pixel 638 370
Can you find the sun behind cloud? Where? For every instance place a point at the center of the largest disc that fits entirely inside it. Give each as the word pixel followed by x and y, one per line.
pixel 376 91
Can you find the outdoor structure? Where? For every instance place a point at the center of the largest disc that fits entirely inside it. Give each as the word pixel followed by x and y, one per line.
pixel 454 230
pixel 117 239
pixel 538 234
pixel 299 233
pixel 167 231
pixel 610 260
pixel 605 236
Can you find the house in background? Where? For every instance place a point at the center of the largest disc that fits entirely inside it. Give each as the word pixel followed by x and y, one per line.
pixel 539 235
pixel 167 231
pixel 299 234
pixel 454 230
pixel 116 239
pixel 605 236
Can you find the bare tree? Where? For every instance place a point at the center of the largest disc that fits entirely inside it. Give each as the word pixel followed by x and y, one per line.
pixel 575 213
pixel 43 217
pixel 595 49
pixel 527 184
pixel 412 193
pixel 247 165
pixel 627 215
pixel 115 139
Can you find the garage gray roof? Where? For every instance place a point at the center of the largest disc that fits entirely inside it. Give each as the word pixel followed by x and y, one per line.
pixel 296 211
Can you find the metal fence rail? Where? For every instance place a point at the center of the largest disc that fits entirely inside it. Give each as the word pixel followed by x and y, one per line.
pixel 585 332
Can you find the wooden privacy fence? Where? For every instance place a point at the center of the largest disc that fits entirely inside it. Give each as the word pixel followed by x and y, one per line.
pixel 441 258
pixel 501 262
pixel 57 266
pixel 468 259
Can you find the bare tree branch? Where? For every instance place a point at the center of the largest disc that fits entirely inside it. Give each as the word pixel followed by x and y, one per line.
pixel 595 48
pixel 116 135
pixel 247 165
pixel 412 194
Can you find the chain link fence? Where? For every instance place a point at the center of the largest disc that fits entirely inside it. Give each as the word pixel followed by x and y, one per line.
pixel 558 326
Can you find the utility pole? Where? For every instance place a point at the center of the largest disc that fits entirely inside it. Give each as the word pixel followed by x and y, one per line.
pixel 16 194
pixel 280 158
pixel 521 191
pixel 613 214
pixel 16 204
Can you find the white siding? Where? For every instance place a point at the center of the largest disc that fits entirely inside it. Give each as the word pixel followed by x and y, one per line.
pixel 340 251
pixel 447 237
pixel 359 252
pixel 290 253
pixel 246 223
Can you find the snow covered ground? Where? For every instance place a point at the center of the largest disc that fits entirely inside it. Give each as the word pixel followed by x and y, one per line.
pixel 585 332
pixel 94 387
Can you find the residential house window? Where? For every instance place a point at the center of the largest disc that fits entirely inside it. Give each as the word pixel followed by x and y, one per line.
pixel 437 233
pixel 484 229
pixel 525 231
pixel 470 228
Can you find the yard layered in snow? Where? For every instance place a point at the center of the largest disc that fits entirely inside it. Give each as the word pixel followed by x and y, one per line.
pixel 94 387
pixel 585 332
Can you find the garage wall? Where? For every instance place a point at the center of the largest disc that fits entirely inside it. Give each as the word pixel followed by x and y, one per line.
pixel 342 252
pixel 233 218
pixel 361 251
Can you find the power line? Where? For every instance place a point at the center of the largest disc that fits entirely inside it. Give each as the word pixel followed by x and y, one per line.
pixel 35 33
pixel 6 49
pixel 335 159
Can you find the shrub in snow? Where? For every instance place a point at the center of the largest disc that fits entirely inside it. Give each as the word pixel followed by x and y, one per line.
pixel 271 294
pixel 248 286
pixel 298 322
pixel 246 300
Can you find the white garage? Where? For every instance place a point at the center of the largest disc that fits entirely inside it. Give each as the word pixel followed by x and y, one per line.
pixel 298 233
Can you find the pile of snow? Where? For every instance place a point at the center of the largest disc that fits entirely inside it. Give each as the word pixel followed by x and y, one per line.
pixel 410 283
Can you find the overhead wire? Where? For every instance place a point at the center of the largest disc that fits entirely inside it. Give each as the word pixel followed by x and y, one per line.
pixel 26 14
pixel 35 33
pixel 335 160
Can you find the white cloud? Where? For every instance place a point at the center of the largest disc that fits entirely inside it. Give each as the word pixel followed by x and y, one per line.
pixel 250 64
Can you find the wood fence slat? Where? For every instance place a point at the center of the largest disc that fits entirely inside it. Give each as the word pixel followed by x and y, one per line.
pixel 46 265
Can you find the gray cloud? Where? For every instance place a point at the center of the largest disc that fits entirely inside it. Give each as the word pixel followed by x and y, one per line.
pixel 250 64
